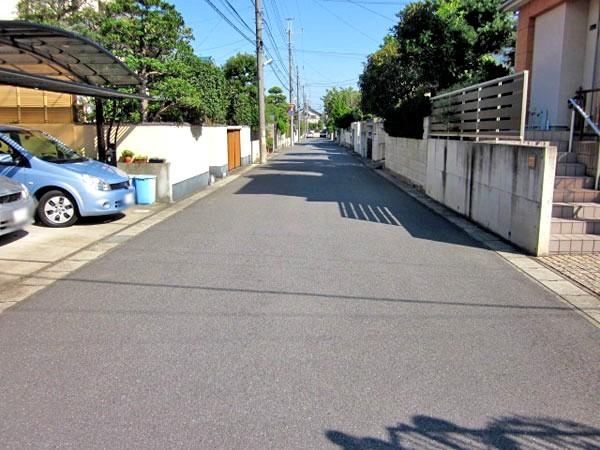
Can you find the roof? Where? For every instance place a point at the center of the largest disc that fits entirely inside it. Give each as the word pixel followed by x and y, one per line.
pixel 513 5
pixel 53 59
pixel 310 110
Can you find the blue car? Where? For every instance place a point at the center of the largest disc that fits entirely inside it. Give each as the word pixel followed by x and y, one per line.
pixel 65 184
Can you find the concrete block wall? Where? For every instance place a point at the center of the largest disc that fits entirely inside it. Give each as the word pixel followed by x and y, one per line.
pixel 506 188
pixel 407 158
pixel 379 139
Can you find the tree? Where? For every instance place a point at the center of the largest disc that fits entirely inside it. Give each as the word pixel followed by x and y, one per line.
pixel 276 109
pixel 240 73
pixel 436 45
pixel 76 15
pixel 150 36
pixel 342 106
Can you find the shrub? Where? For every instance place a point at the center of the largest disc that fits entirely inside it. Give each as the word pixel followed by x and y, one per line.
pixel 406 120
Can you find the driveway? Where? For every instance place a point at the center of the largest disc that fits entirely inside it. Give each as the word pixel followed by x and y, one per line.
pixel 308 304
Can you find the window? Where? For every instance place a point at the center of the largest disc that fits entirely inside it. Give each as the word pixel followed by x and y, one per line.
pixel 43 146
pixel 8 156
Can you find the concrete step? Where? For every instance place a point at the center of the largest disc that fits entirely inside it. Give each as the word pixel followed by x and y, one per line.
pixel 574 244
pixel 565 182
pixel 576 210
pixel 570 169
pixel 574 226
pixel 577 195
pixel 566 157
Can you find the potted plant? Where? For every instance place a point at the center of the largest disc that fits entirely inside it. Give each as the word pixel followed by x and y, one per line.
pixel 127 156
pixel 156 160
pixel 140 159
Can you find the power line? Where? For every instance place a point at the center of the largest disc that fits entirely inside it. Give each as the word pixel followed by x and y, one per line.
pixel 360 5
pixel 226 19
pixel 228 4
pixel 358 30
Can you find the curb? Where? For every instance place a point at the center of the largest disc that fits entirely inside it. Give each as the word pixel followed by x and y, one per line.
pixel 28 285
pixel 569 292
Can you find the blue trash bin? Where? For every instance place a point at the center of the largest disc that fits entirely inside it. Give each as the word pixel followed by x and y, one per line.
pixel 145 189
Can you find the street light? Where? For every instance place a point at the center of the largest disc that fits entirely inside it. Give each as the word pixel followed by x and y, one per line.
pixel 267 62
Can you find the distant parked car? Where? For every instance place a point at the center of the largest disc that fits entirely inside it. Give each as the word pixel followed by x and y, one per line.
pixel 65 184
pixel 16 206
pixel 323 133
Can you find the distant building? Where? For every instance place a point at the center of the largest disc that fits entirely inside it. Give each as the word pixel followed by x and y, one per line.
pixel 310 115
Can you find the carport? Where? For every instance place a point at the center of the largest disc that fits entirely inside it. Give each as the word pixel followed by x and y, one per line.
pixel 44 57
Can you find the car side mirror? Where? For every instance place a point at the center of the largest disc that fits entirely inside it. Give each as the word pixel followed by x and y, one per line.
pixel 6 159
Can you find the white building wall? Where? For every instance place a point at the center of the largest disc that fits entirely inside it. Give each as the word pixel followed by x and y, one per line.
pixel 590 45
pixel 547 60
pixel 559 55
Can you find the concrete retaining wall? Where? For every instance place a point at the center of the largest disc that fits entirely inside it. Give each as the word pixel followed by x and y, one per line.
pixel 407 158
pixel 506 188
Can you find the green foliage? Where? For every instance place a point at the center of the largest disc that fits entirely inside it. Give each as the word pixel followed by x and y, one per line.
pixel 150 36
pixel 340 105
pixel 406 120
pixel 276 107
pixel 435 45
pixel 240 73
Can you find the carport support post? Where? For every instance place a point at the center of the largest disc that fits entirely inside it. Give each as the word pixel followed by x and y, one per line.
pixel 100 129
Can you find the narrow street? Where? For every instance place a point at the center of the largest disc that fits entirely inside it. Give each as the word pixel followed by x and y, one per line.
pixel 308 304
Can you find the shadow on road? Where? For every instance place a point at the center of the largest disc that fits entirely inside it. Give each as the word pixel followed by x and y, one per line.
pixel 515 432
pixel 329 174
pixel 12 237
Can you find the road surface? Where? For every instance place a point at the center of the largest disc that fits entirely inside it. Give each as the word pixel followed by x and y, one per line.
pixel 308 304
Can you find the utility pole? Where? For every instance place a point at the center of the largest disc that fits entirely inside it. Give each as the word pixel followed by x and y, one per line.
pixel 290 78
pixel 260 56
pixel 298 102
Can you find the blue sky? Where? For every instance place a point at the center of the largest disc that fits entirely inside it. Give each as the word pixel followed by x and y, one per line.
pixel 331 38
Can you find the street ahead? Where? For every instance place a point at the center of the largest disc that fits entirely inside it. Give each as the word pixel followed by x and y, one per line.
pixel 309 304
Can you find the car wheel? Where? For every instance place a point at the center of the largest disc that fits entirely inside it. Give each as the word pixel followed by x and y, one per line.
pixel 57 209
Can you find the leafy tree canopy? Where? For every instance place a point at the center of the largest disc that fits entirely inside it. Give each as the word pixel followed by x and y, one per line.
pixel 340 105
pixel 276 106
pixel 150 36
pixel 436 45
pixel 240 73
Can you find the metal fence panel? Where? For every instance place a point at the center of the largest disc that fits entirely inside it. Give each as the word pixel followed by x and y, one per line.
pixel 495 109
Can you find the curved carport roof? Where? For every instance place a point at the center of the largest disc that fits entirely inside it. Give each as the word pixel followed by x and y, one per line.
pixel 45 57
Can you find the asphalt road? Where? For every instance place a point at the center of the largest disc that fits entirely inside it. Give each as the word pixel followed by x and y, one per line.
pixel 308 304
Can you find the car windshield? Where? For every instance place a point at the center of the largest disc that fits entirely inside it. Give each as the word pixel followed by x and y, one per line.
pixel 44 147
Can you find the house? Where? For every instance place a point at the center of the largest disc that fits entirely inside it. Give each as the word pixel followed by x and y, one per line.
pixel 557 41
pixel 310 115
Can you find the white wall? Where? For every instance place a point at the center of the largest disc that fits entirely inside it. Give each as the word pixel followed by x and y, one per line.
pixel 407 158
pixel 245 144
pixel 215 139
pixel 492 184
pixel 559 55
pixel 185 147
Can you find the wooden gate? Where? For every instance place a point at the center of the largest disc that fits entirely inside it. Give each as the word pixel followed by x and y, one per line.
pixel 234 151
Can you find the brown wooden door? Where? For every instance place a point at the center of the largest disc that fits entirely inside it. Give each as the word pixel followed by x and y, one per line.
pixel 234 150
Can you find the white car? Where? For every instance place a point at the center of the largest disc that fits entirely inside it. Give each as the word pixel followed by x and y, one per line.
pixel 16 206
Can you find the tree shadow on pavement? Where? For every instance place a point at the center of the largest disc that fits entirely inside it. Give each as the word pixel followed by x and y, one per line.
pixel 331 176
pixel 510 433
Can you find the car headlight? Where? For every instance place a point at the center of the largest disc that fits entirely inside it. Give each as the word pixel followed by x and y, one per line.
pixel 24 192
pixel 96 182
